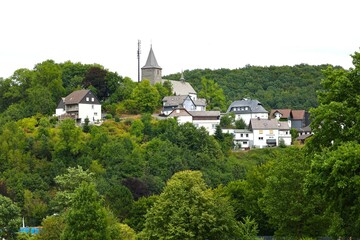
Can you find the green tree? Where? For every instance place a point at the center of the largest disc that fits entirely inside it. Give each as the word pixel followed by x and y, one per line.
pixel 335 175
pixel 67 184
pixel 213 94
pixel 292 212
pixel 10 220
pixel 53 226
pixel 146 96
pixel 337 119
pixel 188 210
pixel 87 218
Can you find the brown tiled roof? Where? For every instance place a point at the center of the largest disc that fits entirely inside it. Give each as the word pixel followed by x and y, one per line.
pixel 179 112
pixel 298 114
pixel 284 112
pixel 76 96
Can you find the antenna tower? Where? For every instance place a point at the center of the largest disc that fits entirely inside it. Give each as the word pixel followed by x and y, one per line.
pixel 138 57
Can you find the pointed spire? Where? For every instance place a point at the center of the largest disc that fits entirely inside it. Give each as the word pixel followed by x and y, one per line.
pixel 151 60
pixel 182 77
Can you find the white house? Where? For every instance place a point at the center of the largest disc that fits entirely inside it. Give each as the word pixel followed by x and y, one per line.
pixel 266 132
pixel 206 119
pixel 247 109
pixel 182 101
pixel 243 138
pixel 79 105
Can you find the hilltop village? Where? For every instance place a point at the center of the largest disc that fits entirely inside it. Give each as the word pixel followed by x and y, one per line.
pixel 261 128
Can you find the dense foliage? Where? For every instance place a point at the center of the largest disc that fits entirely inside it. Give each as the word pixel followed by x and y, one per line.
pixel 274 86
pixel 139 177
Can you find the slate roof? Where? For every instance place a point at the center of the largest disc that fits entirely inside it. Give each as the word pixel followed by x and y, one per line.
pixel 253 106
pixel 174 100
pixel 204 113
pixel 200 102
pixel 61 104
pixel 151 61
pixel 181 87
pixel 256 123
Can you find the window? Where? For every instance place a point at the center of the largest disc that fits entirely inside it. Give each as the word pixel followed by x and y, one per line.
pixel 286 133
pixel 244 142
pixel 261 138
pixel 261 131
pixel 241 135
pixel 87 99
pixel 95 113
pixel 92 99
pixel 247 135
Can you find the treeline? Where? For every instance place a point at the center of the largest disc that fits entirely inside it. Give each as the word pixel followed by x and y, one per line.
pixel 274 86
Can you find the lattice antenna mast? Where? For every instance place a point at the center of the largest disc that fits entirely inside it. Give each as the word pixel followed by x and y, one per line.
pixel 138 57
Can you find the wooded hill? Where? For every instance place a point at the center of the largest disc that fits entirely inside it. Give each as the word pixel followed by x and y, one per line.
pixel 142 178
pixel 291 87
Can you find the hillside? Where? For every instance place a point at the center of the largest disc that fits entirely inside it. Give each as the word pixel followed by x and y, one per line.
pixel 276 87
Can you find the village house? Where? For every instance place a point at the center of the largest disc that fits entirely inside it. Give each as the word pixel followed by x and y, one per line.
pixel 79 105
pixel 247 109
pixel 184 95
pixel 296 118
pixel 206 119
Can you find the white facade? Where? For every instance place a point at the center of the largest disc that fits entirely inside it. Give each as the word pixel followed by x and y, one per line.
pixel 262 137
pixel 247 116
pixel 243 138
pixel 286 136
pixel 209 125
pixel 90 111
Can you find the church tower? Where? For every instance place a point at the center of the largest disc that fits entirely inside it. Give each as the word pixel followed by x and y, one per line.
pixel 151 70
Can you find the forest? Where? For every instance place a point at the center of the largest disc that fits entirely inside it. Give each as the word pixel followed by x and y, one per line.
pixel 137 177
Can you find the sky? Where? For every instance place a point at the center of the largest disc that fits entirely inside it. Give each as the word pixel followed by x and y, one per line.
pixel 184 34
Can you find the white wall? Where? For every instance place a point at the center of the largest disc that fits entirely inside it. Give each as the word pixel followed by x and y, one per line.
pixel 247 116
pixel 209 125
pixel 91 111
pixel 266 134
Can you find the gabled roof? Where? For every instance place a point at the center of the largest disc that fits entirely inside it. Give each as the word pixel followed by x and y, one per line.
pixel 200 102
pixel 151 61
pixel 249 106
pixel 174 100
pixel 178 112
pixel 285 113
pixel 78 96
pixel 205 113
pixel 283 125
pixel 181 87
pixel 61 104
pixel 256 123
pixel 298 114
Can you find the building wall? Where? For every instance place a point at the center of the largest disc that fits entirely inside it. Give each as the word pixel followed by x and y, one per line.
pixel 247 116
pixel 59 111
pixel 209 125
pixel 189 105
pixel 260 137
pixel 153 75
pixel 91 111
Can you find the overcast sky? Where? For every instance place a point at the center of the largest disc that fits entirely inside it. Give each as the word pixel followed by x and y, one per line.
pixel 185 34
